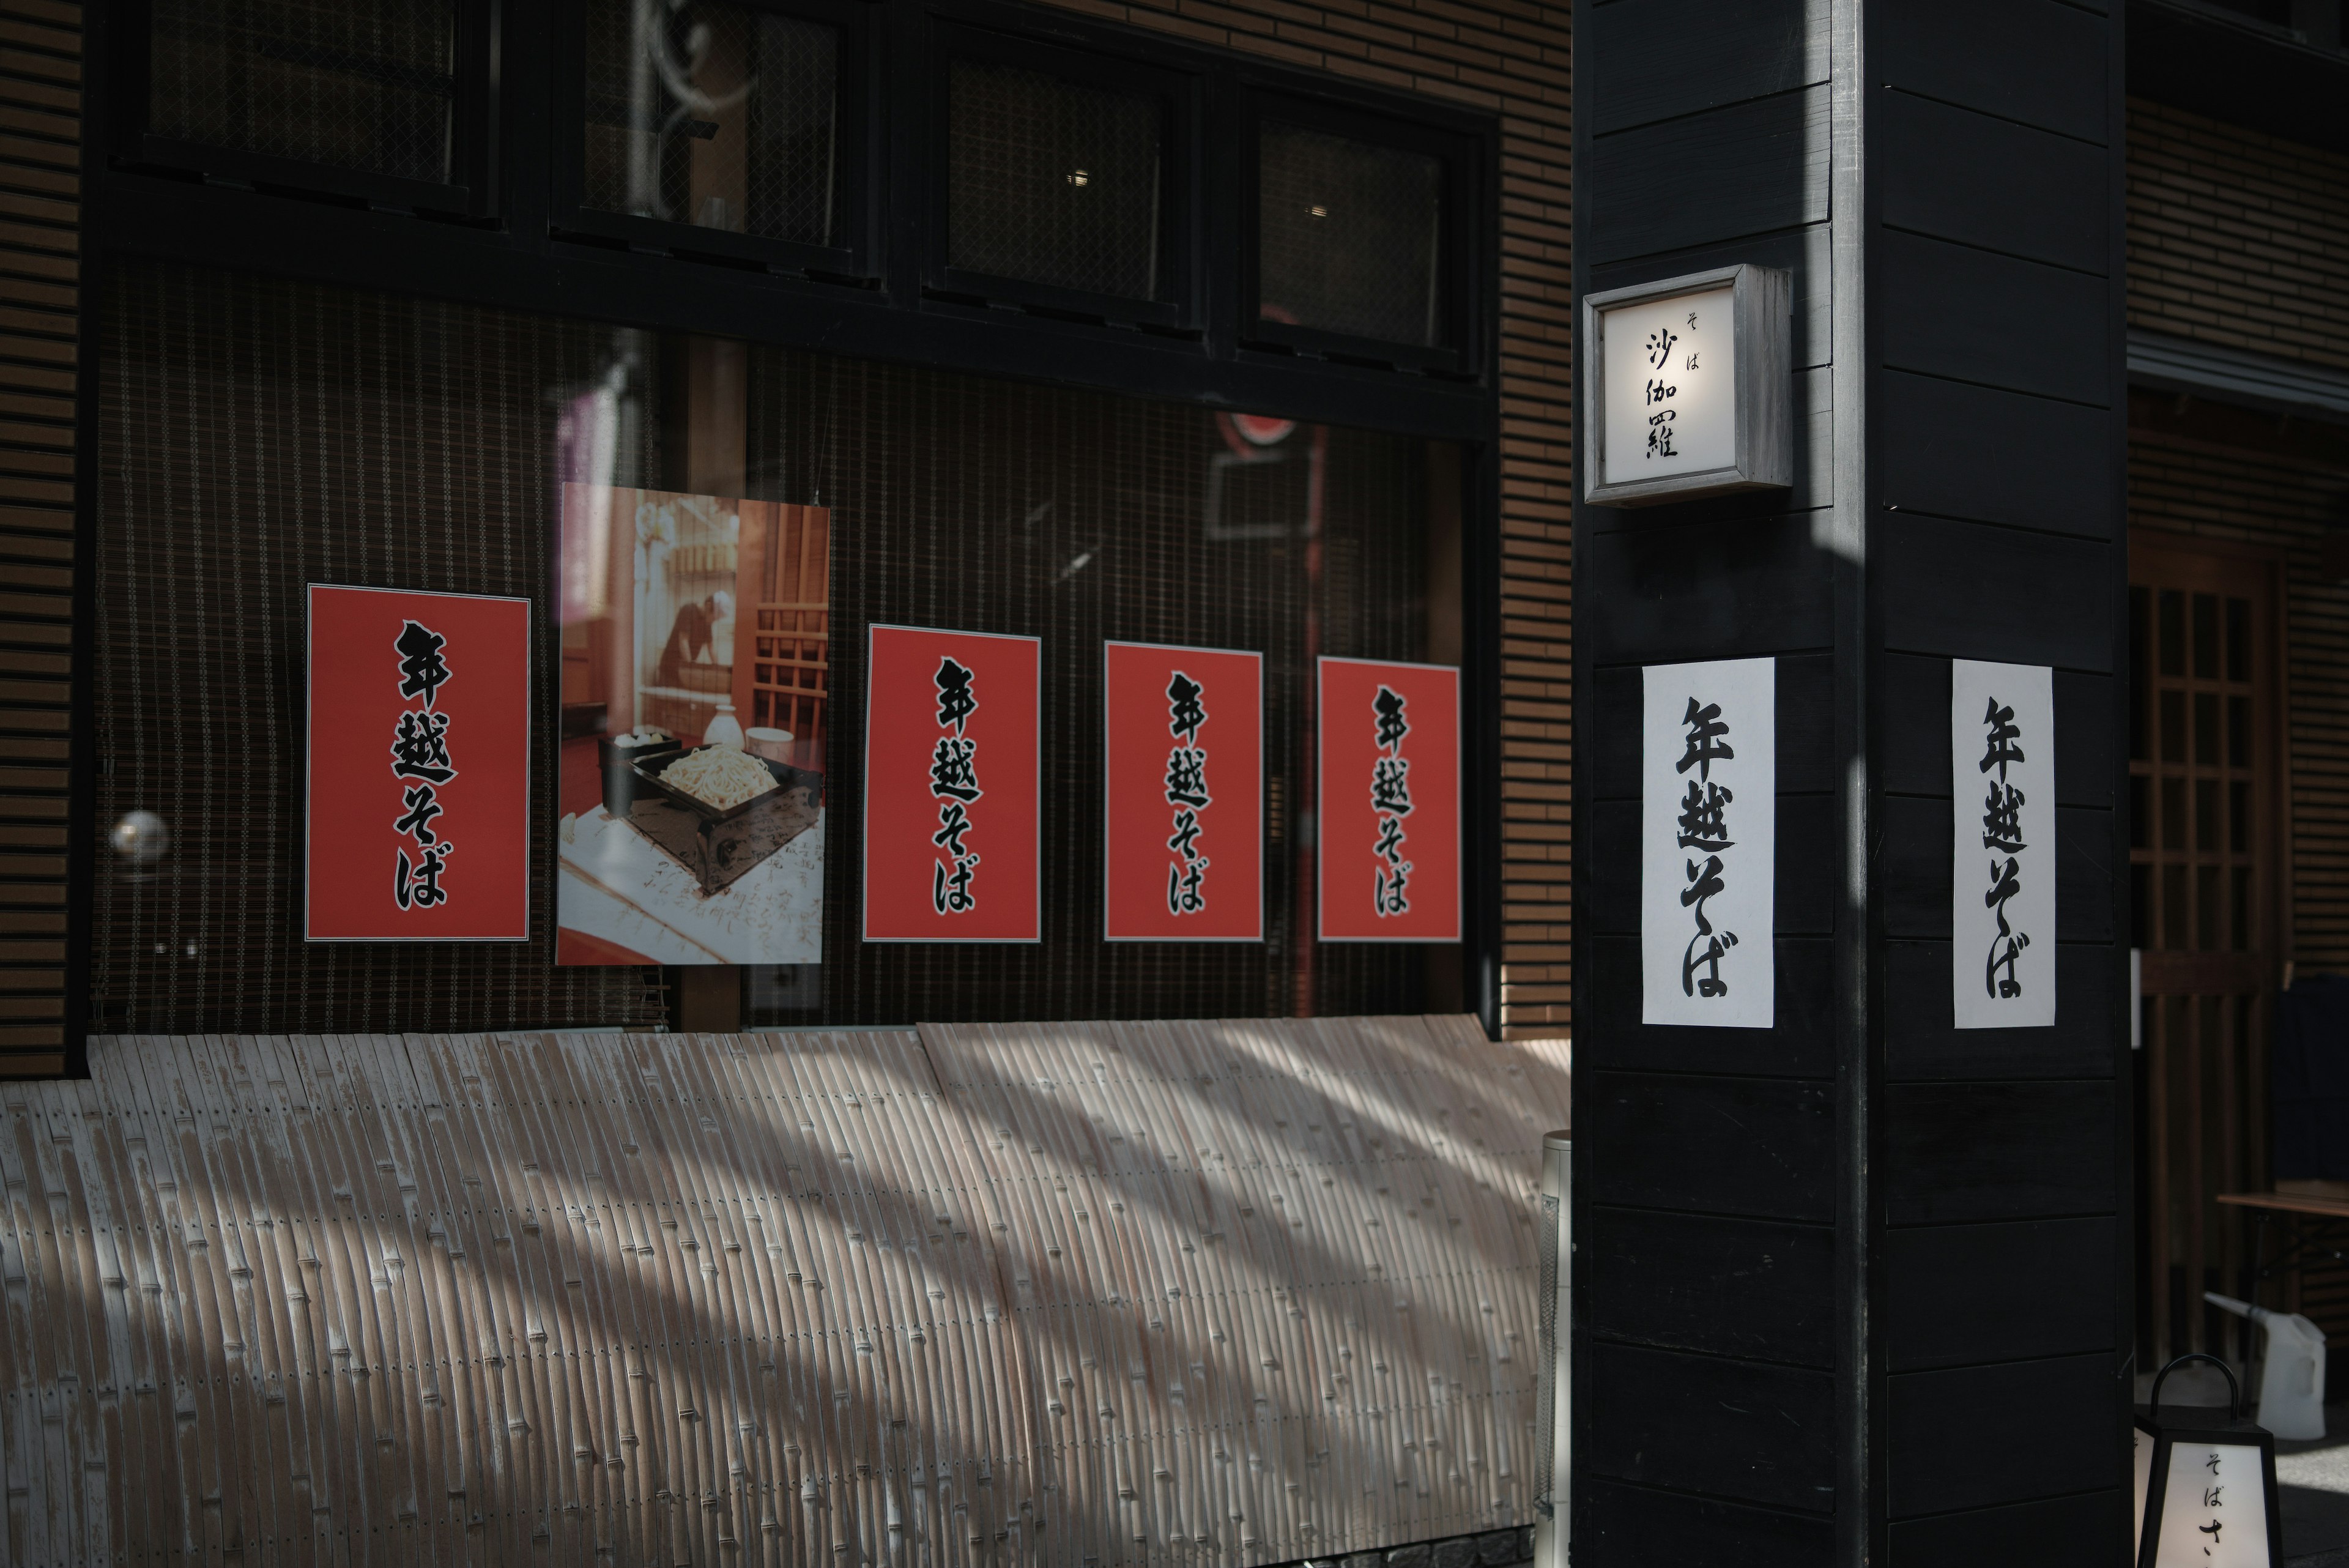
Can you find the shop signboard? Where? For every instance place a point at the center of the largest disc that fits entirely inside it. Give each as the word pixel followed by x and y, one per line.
pixel 1389 812
pixel 418 768
pixel 2002 849
pixel 696 672
pixel 1709 843
pixel 1181 794
pixel 1692 388
pixel 953 786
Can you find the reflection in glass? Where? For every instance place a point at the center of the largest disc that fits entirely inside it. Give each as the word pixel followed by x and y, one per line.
pixel 1349 234
pixel 717 116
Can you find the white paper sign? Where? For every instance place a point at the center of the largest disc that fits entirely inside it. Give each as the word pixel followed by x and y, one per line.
pixel 1708 843
pixel 2003 846
pixel 2214 1509
pixel 1671 386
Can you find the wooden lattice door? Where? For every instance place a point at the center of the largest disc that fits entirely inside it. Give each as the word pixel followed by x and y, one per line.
pixel 2206 883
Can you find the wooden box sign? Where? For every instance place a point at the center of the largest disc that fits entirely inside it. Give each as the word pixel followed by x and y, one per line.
pixel 1690 386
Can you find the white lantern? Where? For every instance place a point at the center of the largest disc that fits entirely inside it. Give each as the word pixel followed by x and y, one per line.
pixel 2206 1486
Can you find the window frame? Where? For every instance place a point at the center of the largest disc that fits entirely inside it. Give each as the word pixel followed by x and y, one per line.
pixel 1461 156
pixel 860 75
pixel 982 36
pixel 470 192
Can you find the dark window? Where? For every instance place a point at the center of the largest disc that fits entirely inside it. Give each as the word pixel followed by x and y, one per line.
pixel 717 116
pixel 1348 237
pixel 366 85
pixel 1054 181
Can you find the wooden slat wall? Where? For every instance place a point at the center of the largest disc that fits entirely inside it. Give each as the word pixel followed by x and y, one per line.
pixel 782 1300
pixel 2239 239
pixel 1510 57
pixel 40 136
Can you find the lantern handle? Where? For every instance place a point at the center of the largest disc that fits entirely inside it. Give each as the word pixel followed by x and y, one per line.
pixel 2234 1390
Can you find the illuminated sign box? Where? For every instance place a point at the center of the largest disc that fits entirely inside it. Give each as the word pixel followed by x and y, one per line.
pixel 1688 385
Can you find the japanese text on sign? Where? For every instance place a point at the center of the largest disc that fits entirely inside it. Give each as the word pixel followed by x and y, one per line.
pixel 420 759
pixel 954 784
pixel 1186 792
pixel 1391 802
pixel 1708 843
pixel 2002 904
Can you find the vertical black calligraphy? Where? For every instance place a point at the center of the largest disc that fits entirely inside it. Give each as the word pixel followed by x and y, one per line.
pixel 1186 792
pixel 1391 799
pixel 1705 829
pixel 421 760
pixel 1660 391
pixel 954 785
pixel 2002 837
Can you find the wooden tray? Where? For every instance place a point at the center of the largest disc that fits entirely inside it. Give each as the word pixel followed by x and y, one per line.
pixel 718 846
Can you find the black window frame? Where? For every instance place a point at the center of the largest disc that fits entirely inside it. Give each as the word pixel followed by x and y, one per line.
pixel 861 52
pixel 981 34
pixel 1461 257
pixel 470 192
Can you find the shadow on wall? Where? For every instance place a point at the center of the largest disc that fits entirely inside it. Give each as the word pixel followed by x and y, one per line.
pixel 1235 1292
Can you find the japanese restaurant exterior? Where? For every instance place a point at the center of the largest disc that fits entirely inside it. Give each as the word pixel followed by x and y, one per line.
pixel 967 941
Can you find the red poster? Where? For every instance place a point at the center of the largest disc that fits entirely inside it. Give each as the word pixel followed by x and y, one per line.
pixel 1182 794
pixel 953 790
pixel 419 767
pixel 1390 812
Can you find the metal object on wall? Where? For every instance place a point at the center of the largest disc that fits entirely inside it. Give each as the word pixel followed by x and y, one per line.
pixel 774 1299
pixel 1554 1509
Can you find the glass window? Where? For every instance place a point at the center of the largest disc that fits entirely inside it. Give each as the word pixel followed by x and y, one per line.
pixel 1348 236
pixel 722 117
pixel 760 509
pixel 368 84
pixel 1053 181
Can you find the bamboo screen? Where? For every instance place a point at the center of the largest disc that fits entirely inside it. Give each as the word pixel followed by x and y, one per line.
pixel 1078 517
pixel 261 435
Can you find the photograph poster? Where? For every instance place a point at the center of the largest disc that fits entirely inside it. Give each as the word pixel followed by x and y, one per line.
pixel 696 676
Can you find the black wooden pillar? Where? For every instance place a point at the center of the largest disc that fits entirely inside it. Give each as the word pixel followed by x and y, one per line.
pixel 1855 1289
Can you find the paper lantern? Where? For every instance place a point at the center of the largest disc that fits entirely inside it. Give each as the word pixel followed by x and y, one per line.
pixel 2206 1483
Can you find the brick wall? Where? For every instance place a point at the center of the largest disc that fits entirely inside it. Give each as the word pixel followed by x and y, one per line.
pixel 2237 238
pixel 40 138
pixel 1511 58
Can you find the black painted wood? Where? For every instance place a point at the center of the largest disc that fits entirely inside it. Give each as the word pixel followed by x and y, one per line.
pixel 1995 456
pixel 1768 1436
pixel 1915 730
pixel 1965 1294
pixel 1914 850
pixel 1994 320
pixel 1763 588
pixel 1923 1044
pixel 1986 182
pixel 1805 885
pixel 1987 1435
pixel 1757 1290
pixel 2038 62
pixel 2059 1532
pixel 1749 169
pixel 2034 598
pixel 1666 59
pixel 1641 1527
pixel 1756 1147
pixel 1801 1047
pixel 1955 1153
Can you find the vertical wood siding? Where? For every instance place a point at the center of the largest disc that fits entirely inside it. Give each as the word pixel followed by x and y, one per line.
pixel 1230 1294
pixel 1509 58
pixel 40 136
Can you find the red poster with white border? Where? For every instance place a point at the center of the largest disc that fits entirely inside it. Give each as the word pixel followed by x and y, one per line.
pixel 1181 794
pixel 419 816
pixel 1388 819
pixel 953 786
